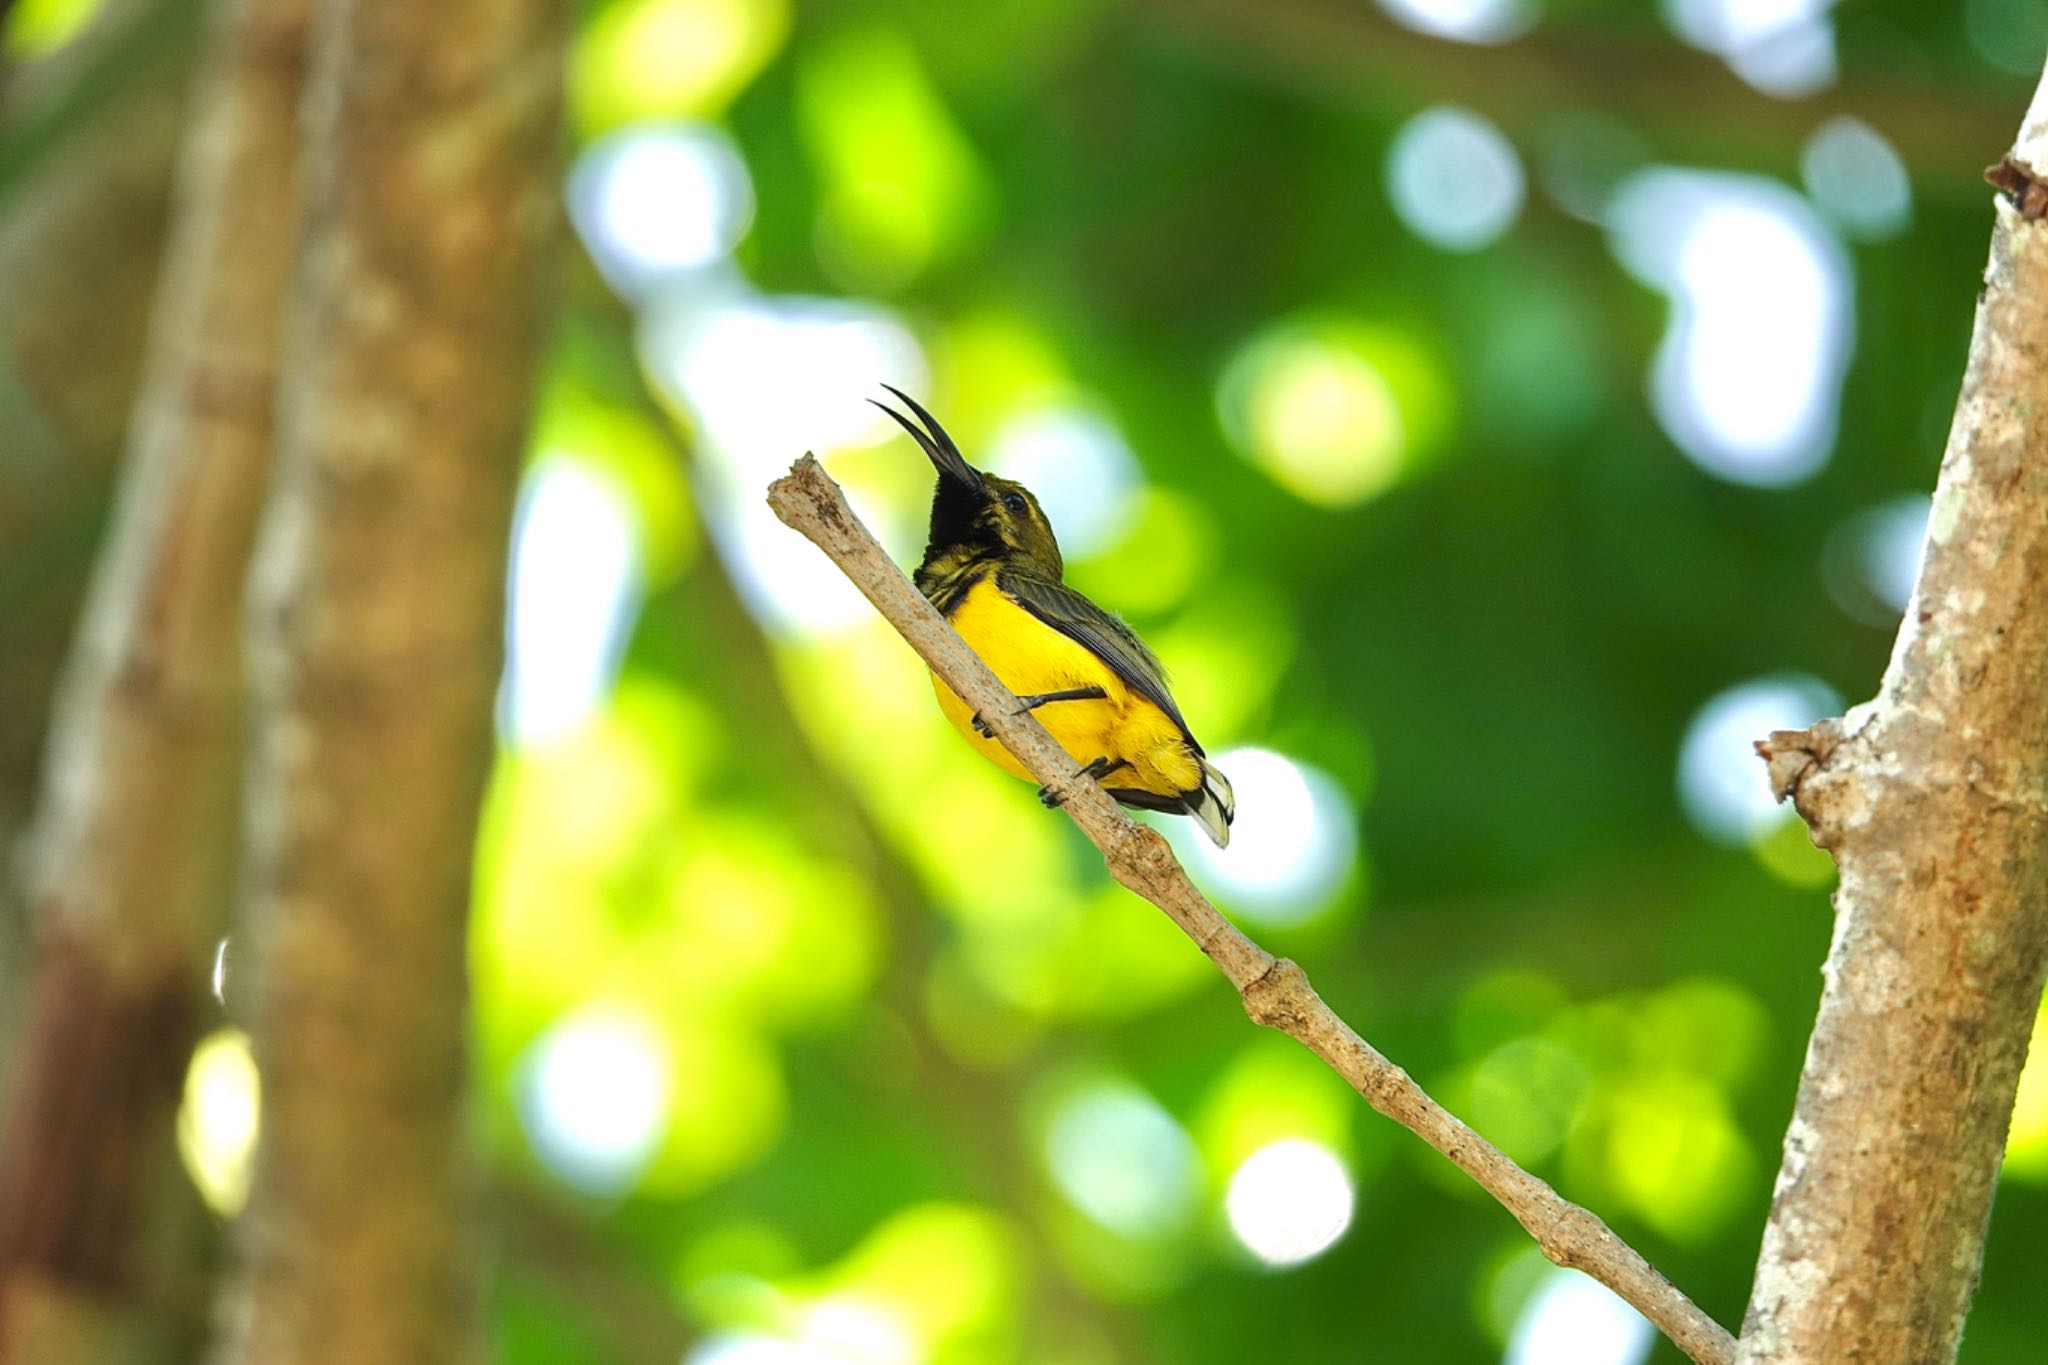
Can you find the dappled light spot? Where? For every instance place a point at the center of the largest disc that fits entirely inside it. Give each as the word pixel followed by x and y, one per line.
pixel 1542 356
pixel 2009 34
pixel 1673 1154
pixel 1747 379
pixel 1656 1134
pixel 767 379
pixel 631 447
pixel 1572 1319
pixel 1501 1006
pixel 1782 47
pixel 1113 1269
pixel 594 1097
pixel 1123 1160
pixel 1524 1096
pixel 1227 651
pixel 218 1119
pixel 575 590
pixel 759 1348
pixel 902 186
pixel 727 1272
pixel 1582 157
pixel 648 59
pixel 1709 1026
pixel 934 1281
pixel 2026 1143
pixel 1721 781
pixel 712 926
pixel 1324 422
pixel 1786 851
pixel 1454 179
pixel 1118 965
pixel 1022 958
pixel 1505 1285
pixel 1081 954
pixel 1293 845
pixel 657 201
pixel 1270 1090
pixel 727 1099
pixel 787 590
pixel 35 27
pixel 994 359
pixel 1165 547
pixel 1467 21
pixel 1084 475
pixel 802 952
pixel 1871 560
pixel 924 1280
pixel 1289 1201
pixel 848 1329
pixel 562 819
pixel 1334 411
pixel 1857 179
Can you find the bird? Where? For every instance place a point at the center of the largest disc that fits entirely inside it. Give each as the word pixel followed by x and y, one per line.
pixel 992 567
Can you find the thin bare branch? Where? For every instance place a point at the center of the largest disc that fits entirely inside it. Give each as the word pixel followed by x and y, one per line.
pixel 130 862
pixel 1931 799
pixel 81 236
pixel 1275 991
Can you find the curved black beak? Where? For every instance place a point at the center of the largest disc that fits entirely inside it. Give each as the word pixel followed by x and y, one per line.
pixel 935 443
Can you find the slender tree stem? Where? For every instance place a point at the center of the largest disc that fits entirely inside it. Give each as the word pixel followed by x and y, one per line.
pixel 131 860
pixel 1933 799
pixel 1275 991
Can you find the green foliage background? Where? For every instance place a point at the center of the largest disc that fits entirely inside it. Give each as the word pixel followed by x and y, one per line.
pixel 882 969
pixel 876 973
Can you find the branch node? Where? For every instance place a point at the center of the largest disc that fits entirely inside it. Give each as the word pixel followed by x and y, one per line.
pixel 2019 183
pixel 1275 996
pixel 1794 757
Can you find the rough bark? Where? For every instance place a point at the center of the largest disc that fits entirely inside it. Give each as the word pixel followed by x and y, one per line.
pixel 129 865
pixel 1275 991
pixel 375 644
pixel 1933 799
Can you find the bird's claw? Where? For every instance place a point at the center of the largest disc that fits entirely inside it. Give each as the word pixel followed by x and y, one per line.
pixel 1098 769
pixel 981 727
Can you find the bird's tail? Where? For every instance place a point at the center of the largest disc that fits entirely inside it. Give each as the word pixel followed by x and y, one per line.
pixel 1213 805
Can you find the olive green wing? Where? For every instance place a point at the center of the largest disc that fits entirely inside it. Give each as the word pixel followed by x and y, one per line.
pixel 1098 632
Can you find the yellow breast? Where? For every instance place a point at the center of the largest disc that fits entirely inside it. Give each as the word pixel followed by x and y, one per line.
pixel 1031 657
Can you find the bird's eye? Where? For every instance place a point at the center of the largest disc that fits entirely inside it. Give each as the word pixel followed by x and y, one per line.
pixel 1015 502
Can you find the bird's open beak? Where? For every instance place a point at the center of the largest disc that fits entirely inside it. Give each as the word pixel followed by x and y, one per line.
pixel 945 456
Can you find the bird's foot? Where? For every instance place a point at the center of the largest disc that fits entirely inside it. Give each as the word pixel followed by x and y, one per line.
pixel 1098 769
pixel 1038 699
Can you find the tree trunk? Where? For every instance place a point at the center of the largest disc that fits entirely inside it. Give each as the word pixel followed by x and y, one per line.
pixel 1933 799
pixel 376 629
pixel 132 850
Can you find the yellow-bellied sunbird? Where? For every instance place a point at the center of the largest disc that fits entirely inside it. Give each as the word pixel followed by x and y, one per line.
pixel 993 569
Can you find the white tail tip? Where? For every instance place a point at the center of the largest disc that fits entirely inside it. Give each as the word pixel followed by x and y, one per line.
pixel 1214 806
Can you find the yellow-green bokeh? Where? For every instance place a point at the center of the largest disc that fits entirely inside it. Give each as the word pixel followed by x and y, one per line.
pixel 1336 409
